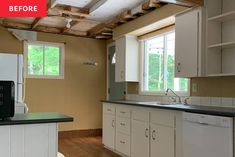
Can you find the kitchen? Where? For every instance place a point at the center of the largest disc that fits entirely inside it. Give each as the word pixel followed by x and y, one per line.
pixel 146 78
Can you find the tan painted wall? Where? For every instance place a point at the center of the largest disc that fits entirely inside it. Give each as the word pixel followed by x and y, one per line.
pixel 8 43
pixel 79 94
pixel 214 87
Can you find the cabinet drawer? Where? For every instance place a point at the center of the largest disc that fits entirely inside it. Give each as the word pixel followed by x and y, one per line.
pixel 140 114
pixel 123 125
pixel 162 117
pixel 123 144
pixel 123 112
pixel 108 108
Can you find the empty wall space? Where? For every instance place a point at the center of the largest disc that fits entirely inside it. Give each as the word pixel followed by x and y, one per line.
pixel 80 92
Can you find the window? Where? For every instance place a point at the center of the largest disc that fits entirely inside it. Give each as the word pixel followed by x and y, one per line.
pixel 159 66
pixel 44 60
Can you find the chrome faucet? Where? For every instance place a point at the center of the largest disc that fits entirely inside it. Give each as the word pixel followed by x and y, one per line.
pixel 167 91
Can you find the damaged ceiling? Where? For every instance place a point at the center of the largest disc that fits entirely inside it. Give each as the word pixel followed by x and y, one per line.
pixel 89 18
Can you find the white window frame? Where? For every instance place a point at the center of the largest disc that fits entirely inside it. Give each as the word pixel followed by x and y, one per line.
pixel 62 49
pixel 142 70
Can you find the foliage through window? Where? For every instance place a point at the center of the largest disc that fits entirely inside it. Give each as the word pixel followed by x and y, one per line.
pixel 44 59
pixel 159 65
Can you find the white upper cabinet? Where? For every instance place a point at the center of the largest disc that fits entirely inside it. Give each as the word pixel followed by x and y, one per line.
pixel 189 45
pixel 127 56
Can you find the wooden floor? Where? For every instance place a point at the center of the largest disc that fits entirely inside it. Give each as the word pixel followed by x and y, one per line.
pixel 84 147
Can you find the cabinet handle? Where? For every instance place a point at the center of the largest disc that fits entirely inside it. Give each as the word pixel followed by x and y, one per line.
pixel 122 142
pixel 113 123
pixel 122 124
pixel 147 133
pixel 109 110
pixel 178 67
pixel 154 135
pixel 123 112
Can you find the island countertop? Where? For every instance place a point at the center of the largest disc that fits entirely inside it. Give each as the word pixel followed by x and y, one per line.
pixel 34 118
pixel 211 110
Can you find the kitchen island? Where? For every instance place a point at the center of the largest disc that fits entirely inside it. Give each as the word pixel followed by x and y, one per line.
pixel 31 135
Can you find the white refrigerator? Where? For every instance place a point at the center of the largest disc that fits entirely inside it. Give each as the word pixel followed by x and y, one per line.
pixel 11 69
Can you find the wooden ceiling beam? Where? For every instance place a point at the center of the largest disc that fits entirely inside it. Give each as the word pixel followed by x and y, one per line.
pixel 42 29
pixel 187 3
pixel 151 4
pixel 36 22
pixel 70 11
pixel 97 5
pixel 74 18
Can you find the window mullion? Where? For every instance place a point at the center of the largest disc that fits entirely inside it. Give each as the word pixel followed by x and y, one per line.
pixel 43 67
pixel 165 62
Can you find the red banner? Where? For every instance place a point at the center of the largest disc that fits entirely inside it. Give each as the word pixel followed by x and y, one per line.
pixel 23 8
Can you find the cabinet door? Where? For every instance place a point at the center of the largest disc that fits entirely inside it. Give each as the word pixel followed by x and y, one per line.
pixel 36 140
pixel 187 44
pixel 162 141
pixel 140 139
pixel 109 130
pixel 5 141
pixel 120 59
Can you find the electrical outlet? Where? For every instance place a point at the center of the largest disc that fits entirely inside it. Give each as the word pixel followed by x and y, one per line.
pixel 195 87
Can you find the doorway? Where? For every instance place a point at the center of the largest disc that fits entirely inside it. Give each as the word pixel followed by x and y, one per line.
pixel 116 90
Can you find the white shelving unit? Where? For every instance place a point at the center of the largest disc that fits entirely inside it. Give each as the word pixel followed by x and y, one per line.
pixel 223 17
pixel 220 53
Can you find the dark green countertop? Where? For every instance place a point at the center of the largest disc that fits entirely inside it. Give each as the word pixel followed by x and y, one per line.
pixel 34 118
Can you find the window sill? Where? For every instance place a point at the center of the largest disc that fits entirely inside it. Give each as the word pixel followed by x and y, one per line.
pixel 162 93
pixel 44 77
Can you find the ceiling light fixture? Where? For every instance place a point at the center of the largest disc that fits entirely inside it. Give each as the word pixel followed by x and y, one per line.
pixel 68 25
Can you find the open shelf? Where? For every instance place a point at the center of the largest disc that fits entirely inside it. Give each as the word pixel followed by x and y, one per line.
pixel 223 17
pixel 221 74
pixel 223 45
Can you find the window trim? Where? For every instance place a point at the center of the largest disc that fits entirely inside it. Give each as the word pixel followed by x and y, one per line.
pixel 142 69
pixel 62 58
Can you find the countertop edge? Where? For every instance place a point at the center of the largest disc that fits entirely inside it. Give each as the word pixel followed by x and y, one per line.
pixel 37 118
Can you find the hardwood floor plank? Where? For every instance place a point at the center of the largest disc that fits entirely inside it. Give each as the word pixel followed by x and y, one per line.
pixel 84 147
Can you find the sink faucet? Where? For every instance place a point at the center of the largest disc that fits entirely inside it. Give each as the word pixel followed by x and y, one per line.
pixel 167 91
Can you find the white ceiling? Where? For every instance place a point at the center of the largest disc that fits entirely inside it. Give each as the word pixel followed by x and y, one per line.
pixel 113 8
pixel 108 10
pixel 75 3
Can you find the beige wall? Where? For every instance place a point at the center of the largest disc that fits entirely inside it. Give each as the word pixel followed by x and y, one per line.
pixel 77 95
pixel 8 43
pixel 214 87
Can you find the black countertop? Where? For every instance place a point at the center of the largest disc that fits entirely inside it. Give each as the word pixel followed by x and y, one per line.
pixel 219 111
pixel 34 118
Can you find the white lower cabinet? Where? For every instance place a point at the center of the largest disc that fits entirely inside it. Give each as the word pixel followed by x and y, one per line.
pixel 142 132
pixel 109 130
pixel 140 139
pixel 123 144
pixel 162 141
pixel 32 140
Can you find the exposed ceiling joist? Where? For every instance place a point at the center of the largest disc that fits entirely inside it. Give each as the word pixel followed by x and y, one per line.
pixel 74 32
pixel 125 16
pixel 151 4
pixel 69 10
pixel 187 3
pixel 36 22
pixel 42 29
pixel 74 18
pixel 97 5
